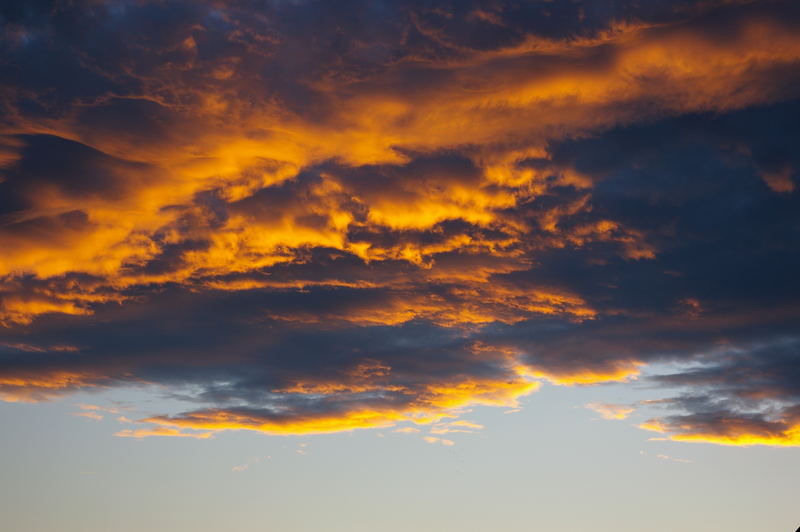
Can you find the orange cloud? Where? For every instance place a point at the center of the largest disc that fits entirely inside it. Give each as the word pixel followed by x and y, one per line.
pixel 779 181
pixel 730 431
pixel 432 177
pixel 454 306
pixel 507 103
pixel 16 310
pixel 620 371
pixel 90 415
pixel 161 431
pixel 610 411
pixel 442 441
pixel 29 388
pixel 426 405
pixel 461 425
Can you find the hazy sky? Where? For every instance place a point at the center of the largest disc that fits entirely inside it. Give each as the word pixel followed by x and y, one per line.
pixel 399 265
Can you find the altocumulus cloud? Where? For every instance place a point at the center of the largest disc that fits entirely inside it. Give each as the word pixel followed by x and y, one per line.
pixel 305 217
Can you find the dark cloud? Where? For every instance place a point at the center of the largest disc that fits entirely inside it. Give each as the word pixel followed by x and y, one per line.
pixel 313 216
pixel 66 168
pixel 749 395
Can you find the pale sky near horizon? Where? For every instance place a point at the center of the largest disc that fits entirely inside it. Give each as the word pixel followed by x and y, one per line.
pixel 552 465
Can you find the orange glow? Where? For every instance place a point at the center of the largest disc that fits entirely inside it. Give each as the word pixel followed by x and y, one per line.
pixel 780 181
pixel 622 372
pixel 455 426
pixel 429 190
pixel 441 441
pixel 474 304
pixel 431 404
pixel 89 415
pixel 161 431
pixel 678 69
pixel 611 411
pixel 32 389
pixel 221 420
pixel 23 310
pixel 732 432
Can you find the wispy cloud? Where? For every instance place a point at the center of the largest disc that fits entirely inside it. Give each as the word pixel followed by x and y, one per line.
pixel 610 411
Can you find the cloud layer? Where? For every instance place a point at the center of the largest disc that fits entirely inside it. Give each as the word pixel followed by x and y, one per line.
pixel 303 217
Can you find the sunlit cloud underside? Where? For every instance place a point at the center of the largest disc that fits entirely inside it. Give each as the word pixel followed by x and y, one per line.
pixel 311 217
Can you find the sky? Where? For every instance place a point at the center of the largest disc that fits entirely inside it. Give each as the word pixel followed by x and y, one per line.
pixel 298 265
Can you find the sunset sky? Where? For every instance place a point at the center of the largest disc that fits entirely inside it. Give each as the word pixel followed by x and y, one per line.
pixel 399 265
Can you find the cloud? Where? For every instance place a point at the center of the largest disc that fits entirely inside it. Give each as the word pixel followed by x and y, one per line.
pixel 99 408
pixel 161 431
pixel 750 397
pixel 93 411
pixel 425 208
pixel 34 386
pixel 670 458
pixel 442 441
pixel 461 425
pixel 610 411
pixel 89 415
